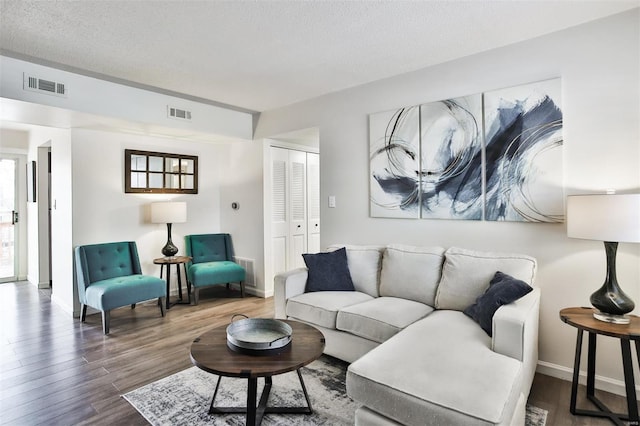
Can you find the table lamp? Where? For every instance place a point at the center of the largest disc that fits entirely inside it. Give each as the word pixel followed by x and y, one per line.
pixel 611 218
pixel 169 212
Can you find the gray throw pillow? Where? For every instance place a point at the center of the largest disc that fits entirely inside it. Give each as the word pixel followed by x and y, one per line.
pixel 503 289
pixel 328 271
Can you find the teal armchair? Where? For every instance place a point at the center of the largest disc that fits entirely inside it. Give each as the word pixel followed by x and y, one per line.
pixel 109 276
pixel 211 262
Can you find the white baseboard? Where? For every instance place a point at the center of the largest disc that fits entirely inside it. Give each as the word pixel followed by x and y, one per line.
pixel 247 288
pixel 68 309
pixel 258 292
pixel 606 384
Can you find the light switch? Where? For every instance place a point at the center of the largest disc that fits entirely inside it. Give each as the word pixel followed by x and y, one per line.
pixel 332 201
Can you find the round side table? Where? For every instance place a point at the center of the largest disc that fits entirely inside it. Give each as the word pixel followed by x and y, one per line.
pixel 583 320
pixel 175 260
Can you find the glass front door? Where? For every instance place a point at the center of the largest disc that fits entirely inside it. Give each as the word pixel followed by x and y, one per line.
pixel 8 219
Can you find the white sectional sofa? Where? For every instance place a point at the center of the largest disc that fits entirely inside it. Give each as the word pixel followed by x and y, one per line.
pixel 416 358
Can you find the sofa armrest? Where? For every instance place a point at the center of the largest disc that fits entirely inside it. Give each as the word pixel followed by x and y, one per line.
pixel 287 285
pixel 515 326
pixel 515 332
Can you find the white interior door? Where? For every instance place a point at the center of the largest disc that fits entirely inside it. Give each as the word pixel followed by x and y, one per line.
pixel 295 207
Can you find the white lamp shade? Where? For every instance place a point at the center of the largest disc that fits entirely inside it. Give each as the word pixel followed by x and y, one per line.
pixel 169 212
pixel 613 218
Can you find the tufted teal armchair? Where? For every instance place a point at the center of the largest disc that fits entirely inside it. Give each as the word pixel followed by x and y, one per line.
pixel 212 262
pixel 109 276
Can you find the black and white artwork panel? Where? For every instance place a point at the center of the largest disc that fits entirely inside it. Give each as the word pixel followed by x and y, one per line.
pixel 524 153
pixel 395 163
pixel 451 159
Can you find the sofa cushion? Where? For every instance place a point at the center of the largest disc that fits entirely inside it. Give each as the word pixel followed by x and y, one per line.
pixel 328 271
pixel 380 318
pixel 466 275
pixel 364 266
pixel 443 372
pixel 321 307
pixel 411 272
pixel 503 289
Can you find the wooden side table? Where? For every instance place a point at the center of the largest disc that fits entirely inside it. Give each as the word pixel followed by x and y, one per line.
pixel 175 260
pixel 583 320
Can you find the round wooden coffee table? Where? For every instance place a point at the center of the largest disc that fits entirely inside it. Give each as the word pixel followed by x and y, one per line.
pixel 211 353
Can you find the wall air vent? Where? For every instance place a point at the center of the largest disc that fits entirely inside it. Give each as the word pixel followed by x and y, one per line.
pixel 178 114
pixel 247 264
pixel 40 85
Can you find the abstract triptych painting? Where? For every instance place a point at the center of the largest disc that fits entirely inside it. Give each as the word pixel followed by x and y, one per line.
pixel 495 156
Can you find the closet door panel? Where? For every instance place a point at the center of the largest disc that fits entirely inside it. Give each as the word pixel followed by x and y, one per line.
pixel 279 209
pixel 313 202
pixel 298 207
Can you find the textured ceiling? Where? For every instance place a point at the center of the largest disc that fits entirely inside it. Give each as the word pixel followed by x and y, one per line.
pixel 260 55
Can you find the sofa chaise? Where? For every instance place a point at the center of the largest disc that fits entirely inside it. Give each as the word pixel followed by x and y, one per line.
pixel 418 354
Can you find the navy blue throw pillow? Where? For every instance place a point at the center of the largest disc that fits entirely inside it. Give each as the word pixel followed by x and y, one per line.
pixel 503 289
pixel 328 271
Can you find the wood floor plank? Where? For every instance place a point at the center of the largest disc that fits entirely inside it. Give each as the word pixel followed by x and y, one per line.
pixel 55 370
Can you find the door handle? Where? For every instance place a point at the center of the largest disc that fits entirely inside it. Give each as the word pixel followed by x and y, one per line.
pixel 15 218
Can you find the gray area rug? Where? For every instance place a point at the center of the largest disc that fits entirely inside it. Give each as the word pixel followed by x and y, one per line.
pixel 183 398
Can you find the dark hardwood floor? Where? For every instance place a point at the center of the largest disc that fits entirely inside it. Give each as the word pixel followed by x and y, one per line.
pixel 55 370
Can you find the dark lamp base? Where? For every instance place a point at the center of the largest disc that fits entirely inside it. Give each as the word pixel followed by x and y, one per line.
pixel 169 250
pixel 614 319
pixel 611 302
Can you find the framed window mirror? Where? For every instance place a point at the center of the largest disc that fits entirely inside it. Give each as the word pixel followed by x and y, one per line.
pixel 159 172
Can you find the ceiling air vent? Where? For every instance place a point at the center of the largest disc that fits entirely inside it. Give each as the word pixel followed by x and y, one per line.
pixel 178 114
pixel 40 85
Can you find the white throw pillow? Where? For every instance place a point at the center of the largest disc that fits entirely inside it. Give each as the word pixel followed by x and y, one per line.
pixel 411 272
pixel 466 275
pixel 364 265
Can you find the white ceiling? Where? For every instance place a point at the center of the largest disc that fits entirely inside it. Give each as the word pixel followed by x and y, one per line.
pixel 260 55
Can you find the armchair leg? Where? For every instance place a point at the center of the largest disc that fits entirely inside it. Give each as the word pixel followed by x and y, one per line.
pixel 133 306
pixel 83 312
pixel 161 302
pixel 196 295
pixel 242 288
pixel 105 321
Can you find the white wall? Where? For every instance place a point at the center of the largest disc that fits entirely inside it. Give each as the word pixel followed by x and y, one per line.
pixel 37 226
pixel 62 293
pixel 241 182
pixel 102 212
pixel 599 64
pixel 42 203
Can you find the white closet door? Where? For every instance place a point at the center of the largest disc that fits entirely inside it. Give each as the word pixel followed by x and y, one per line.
pixel 298 208
pixel 313 202
pixel 279 209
